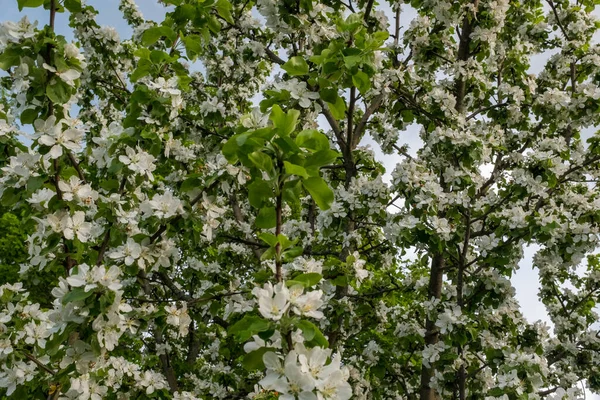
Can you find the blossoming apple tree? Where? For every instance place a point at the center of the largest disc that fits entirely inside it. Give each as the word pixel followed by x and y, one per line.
pixel 196 246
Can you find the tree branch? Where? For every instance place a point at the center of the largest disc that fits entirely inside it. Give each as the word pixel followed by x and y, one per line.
pixel 486 109
pixel 359 130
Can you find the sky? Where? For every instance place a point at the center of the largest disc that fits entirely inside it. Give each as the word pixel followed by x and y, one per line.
pixel 525 280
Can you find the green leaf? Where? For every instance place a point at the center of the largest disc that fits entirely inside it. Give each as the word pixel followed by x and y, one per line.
pixel 352 60
pixel 378 371
pixel 338 109
pixel 258 192
pixel 328 94
pixel 295 66
pixel 307 280
pixel 151 35
pixel 213 24
pixel 261 161
pixel 254 360
pixel 461 338
pixel 190 184
pixel 144 68
pixel 284 122
pixel 29 3
pixel 266 218
pixel 55 342
pixel 285 242
pixel 319 191
pixel 10 197
pixel 290 254
pixel 109 184
pixel 312 139
pixel 268 238
pixel 77 294
pixel 312 334
pixel 248 142
pixel 193 46
pixel 73 5
pixel 293 169
pixel 495 392
pixel 223 8
pixel 407 116
pixel 9 58
pixel 380 37
pixel 321 158
pixel 159 56
pixel 340 280
pixel 292 191
pixel 249 325
pixel 35 183
pixel 352 57
pixel 59 92
pixel 361 81
pixel 270 253
pixel 230 149
pixel 29 115
pixel 336 104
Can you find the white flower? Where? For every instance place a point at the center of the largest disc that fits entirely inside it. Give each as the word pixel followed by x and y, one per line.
pixel 52 135
pixel 139 162
pixel 129 252
pixel 299 91
pixel 13 32
pixel 288 379
pixel 179 318
pixel 76 226
pixel 309 303
pixel 255 119
pixel 100 153
pixel 334 387
pixel 71 51
pixel 441 227
pixel 448 318
pixel 299 383
pixel 5 347
pixel 163 206
pixel 18 374
pixel 359 270
pixel 82 278
pixel 68 76
pixel 211 214
pixel 107 277
pixel 168 87
pixel 41 197
pixel 312 361
pixel 76 189
pixel 152 381
pixel 273 301
pixel 274 370
pixel 36 333
pixel 257 343
pixel 20 81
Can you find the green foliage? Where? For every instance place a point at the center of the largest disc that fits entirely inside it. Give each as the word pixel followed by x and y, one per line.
pixel 13 247
pixel 295 66
pixel 312 334
pixel 29 3
pixel 282 155
pixel 249 325
pixel 307 279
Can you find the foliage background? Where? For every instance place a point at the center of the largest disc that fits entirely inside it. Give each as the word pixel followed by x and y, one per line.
pixel 13 234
